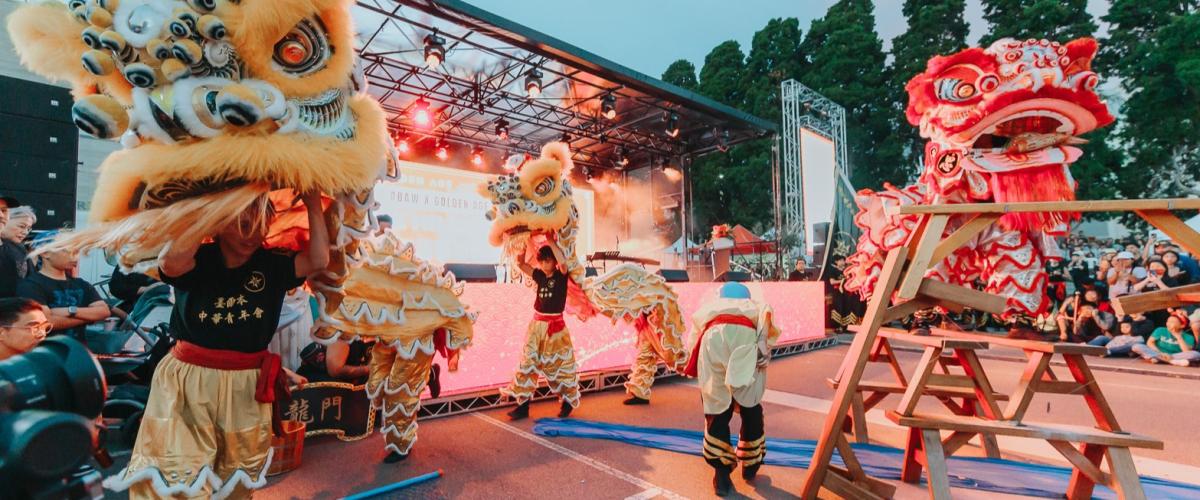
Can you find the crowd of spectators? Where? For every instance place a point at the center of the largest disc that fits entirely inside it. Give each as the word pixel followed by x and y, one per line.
pixel 1097 272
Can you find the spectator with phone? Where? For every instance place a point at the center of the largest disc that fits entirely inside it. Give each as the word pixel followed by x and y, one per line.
pixel 1174 343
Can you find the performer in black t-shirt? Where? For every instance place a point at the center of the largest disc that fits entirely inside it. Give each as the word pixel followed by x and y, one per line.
pixel 548 348
pixel 207 427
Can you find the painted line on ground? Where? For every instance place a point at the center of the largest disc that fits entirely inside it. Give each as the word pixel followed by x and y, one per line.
pixel 645 495
pixel 645 485
pixel 1035 448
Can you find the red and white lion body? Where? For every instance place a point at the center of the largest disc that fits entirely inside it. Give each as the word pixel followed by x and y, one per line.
pixel 1001 123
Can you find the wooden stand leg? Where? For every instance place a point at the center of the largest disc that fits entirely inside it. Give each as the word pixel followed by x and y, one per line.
pixel 935 465
pixel 1125 480
pixel 1081 486
pixel 990 447
pixel 910 472
pixel 860 419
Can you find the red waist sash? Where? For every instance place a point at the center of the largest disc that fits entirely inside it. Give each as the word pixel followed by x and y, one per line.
pixel 692 368
pixel 272 381
pixel 554 321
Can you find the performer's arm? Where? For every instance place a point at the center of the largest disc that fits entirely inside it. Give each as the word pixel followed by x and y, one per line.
pixel 525 268
pixel 179 256
pixel 316 257
pixel 335 363
pixel 558 256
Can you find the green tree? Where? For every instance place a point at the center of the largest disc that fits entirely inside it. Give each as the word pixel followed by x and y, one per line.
pixel 682 74
pixel 1055 20
pixel 846 65
pixel 712 195
pixel 935 27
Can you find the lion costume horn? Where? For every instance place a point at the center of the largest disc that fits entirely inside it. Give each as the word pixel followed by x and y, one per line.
pixel 216 102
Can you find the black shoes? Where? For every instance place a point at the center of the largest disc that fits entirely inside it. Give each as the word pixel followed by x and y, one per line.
pixel 634 400
pixel 520 412
pixel 722 484
pixel 565 410
pixel 435 381
pixel 749 472
pixel 393 457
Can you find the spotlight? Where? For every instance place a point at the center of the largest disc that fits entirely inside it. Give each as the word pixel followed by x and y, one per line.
pixel 566 137
pixel 420 112
pixel 435 50
pixel 402 144
pixel 603 138
pixel 723 141
pixel 533 82
pixel 442 151
pixel 477 156
pixel 502 129
pixel 587 173
pixel 608 106
pixel 673 174
pixel 621 159
pixel 672 128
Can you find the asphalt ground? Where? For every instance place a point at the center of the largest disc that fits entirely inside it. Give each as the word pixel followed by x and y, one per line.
pixel 484 455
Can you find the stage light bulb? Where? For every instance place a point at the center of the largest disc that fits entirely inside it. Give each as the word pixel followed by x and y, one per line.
pixel 672 128
pixel 421 114
pixel 608 106
pixel 435 50
pixel 443 152
pixel 477 157
pixel 533 82
pixel 673 174
pixel 402 146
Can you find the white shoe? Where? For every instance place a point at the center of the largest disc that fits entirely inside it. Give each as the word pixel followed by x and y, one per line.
pixel 1180 362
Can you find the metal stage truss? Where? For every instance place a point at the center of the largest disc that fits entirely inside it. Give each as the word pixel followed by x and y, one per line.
pixel 804 108
pixel 588 382
pixel 482 79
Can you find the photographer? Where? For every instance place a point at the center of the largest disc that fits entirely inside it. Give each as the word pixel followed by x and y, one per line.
pixel 1079 270
pixel 23 325
pixel 1089 324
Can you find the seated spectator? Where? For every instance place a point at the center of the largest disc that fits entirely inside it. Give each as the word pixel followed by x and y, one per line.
pixel 1079 270
pixel 1187 262
pixel 23 325
pixel 13 266
pixel 73 302
pixel 129 287
pixel 1066 314
pixel 1176 274
pixel 1089 324
pixel 1122 342
pixel 1174 343
pixel 1123 275
pixel 1155 280
pixel 1142 326
pixel 340 361
pixel 1105 264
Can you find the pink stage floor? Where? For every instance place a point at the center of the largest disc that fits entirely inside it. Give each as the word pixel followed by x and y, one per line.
pixel 504 312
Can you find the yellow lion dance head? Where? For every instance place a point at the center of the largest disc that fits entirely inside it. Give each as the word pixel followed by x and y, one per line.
pixel 216 103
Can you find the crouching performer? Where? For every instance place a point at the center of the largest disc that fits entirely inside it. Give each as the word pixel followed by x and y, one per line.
pixel 735 336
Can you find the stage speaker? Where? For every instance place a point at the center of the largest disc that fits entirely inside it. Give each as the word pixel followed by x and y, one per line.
pixel 818 255
pixel 820 235
pixel 734 276
pixel 473 273
pixel 674 275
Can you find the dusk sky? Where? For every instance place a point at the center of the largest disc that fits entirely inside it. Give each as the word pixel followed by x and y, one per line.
pixel 648 35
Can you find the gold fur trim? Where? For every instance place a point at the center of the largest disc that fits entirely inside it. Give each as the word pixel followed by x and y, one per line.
pixel 46 37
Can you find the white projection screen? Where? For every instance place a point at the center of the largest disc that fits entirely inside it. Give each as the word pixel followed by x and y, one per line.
pixel 440 212
pixel 819 172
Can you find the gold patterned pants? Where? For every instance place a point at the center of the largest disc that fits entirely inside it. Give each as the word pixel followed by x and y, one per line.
pixel 641 374
pixel 395 387
pixel 550 355
pixel 203 435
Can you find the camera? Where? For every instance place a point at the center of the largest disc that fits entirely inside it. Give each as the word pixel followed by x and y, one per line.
pixel 49 399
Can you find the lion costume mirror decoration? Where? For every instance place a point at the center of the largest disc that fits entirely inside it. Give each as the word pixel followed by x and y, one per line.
pixel 532 207
pixel 1002 123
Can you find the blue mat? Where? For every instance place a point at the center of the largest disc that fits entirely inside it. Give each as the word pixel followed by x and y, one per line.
pixel 987 474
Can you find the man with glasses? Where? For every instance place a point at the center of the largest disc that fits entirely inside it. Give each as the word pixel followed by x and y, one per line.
pixel 23 325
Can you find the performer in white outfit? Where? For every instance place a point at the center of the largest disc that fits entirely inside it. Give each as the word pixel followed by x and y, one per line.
pixel 735 335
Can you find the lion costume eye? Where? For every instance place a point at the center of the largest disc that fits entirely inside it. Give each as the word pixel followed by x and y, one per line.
pixel 544 187
pixel 304 50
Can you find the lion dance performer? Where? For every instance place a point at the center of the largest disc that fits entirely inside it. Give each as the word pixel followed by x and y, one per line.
pixel 531 208
pixel 217 104
pixel 412 308
pixel 735 334
pixel 1001 124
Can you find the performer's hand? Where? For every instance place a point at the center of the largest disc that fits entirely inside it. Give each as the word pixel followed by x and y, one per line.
pixel 296 379
pixel 452 362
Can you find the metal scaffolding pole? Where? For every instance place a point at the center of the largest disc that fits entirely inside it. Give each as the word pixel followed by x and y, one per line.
pixel 804 108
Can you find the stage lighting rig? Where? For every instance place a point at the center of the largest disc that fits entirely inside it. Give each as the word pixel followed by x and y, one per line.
pixel 502 129
pixel 620 158
pixel 435 50
pixel 442 151
pixel 672 128
pixel 477 156
pixel 587 173
pixel 566 137
pixel 608 106
pixel 533 82
pixel 421 115
pixel 402 144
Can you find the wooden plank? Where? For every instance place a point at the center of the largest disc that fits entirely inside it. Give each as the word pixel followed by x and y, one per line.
pixel 1059 387
pixel 1025 345
pixel 975 299
pixel 937 475
pixel 983 387
pixel 991 447
pixel 894 363
pixel 951 381
pixel 1177 230
pixel 900 311
pixel 850 460
pixel 1060 432
pixel 921 257
pixel 1080 462
pixel 916 387
pixel 1096 401
pixel 1125 480
pixel 1081 486
pixel 962 235
pixel 839 483
pixel 1155 301
pixel 925 340
pixel 910 470
pixel 1035 367
pixel 955 441
pixel 852 370
pixel 1050 206
pixel 859 413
